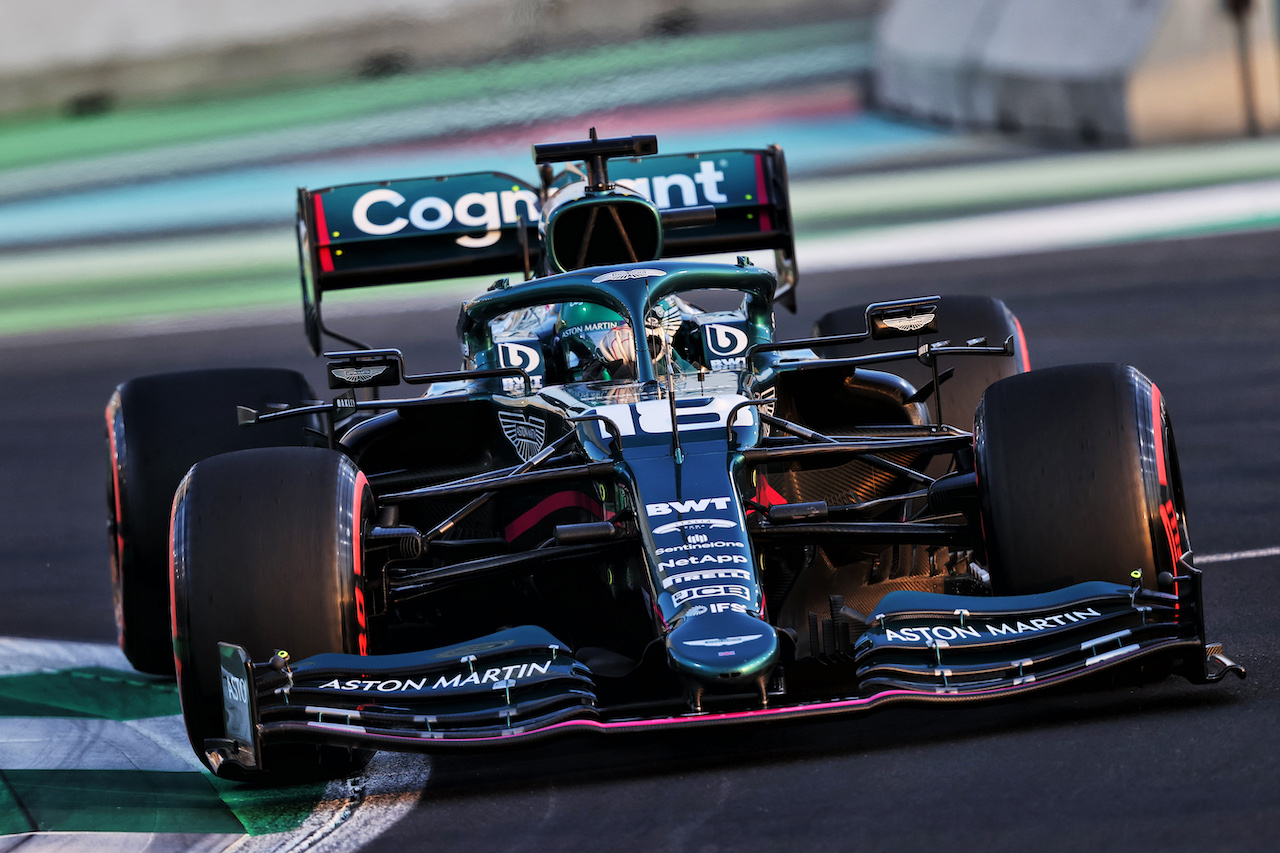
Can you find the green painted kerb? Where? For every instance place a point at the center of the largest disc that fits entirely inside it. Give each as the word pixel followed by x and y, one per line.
pixel 95 800
pixel 108 694
pixel 13 819
pixel 118 801
pixel 266 810
pixel 151 801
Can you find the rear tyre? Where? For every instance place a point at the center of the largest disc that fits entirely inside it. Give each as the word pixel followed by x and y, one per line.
pixel 960 318
pixel 267 555
pixel 157 428
pixel 1079 479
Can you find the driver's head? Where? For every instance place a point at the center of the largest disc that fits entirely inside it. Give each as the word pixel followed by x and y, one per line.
pixel 595 343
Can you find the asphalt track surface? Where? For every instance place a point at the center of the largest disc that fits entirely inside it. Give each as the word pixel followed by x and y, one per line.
pixel 1172 766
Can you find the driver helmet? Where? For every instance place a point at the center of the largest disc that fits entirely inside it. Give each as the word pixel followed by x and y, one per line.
pixel 596 343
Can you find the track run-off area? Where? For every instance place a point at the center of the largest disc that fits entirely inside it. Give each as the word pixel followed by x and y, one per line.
pixel 94 758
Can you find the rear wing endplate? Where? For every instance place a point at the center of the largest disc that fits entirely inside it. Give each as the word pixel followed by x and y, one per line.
pixel 419 229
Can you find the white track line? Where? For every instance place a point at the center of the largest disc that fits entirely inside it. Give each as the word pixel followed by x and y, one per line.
pixel 1236 555
pixel 114 842
pixel 20 656
pixel 79 743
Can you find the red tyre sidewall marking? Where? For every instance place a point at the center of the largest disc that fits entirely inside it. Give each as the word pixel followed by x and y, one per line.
pixel 357 562
pixel 1022 346
pixel 173 586
pixel 118 553
pixel 1155 417
pixel 1168 512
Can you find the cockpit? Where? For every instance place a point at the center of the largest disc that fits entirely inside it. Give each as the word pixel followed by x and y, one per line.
pixel 587 342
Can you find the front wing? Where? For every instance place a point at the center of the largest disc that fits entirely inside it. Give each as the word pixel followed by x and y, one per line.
pixel 522 685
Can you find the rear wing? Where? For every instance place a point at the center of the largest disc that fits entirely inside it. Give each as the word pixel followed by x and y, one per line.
pixel 486 223
pixel 418 229
pixel 748 189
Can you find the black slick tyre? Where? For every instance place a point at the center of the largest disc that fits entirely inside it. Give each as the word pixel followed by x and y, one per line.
pixel 960 318
pixel 157 428
pixel 267 555
pixel 1079 481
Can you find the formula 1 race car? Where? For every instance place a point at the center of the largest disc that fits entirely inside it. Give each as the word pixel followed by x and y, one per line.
pixel 626 511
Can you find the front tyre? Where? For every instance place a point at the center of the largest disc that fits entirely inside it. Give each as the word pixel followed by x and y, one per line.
pixel 157 428
pixel 267 555
pixel 1079 479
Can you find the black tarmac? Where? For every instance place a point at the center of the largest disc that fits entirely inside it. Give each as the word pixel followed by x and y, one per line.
pixel 1169 767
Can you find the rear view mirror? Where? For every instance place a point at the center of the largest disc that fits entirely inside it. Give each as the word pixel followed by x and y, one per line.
pixel 902 319
pixel 356 371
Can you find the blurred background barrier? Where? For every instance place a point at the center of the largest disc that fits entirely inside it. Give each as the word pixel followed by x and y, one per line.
pixel 129 50
pixel 1093 71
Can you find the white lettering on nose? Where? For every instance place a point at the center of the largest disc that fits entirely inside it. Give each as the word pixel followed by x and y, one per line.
pixel 360 213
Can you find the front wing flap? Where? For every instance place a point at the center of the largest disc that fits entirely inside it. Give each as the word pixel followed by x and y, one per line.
pixel 523 685
pixel 923 641
pixel 491 687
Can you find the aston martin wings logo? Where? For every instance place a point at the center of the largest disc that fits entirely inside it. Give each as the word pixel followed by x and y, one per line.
pixel 525 432
pixel 909 324
pixel 716 642
pixel 356 375
pixel 624 275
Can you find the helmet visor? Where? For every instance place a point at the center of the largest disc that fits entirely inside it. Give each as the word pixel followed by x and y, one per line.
pixel 603 351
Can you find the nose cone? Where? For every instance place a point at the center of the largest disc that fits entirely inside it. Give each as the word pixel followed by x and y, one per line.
pixel 723 651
